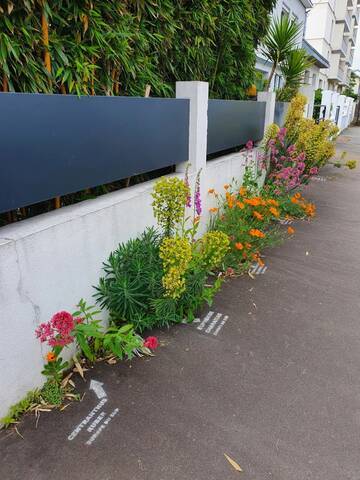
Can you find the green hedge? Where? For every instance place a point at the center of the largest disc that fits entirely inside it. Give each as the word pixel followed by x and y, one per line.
pixel 117 47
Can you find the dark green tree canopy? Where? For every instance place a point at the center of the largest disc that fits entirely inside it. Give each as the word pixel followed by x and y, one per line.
pixel 109 47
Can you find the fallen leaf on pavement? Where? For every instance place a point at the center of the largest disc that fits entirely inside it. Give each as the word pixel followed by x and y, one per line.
pixel 111 361
pixel 78 368
pixel 232 462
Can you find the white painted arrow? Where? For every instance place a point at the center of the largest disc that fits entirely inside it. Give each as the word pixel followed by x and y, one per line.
pixel 97 387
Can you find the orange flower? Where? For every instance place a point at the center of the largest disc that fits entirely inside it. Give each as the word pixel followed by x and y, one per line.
pixel 310 209
pixel 230 200
pixel 273 202
pixel 242 191
pixel 51 357
pixel 274 211
pixel 290 230
pixel 248 245
pixel 211 190
pixel 294 199
pixel 226 186
pixel 297 195
pixel 197 220
pixel 244 254
pixel 213 210
pixel 258 215
pixel 254 232
pixel 239 246
pixel 255 202
pixel 260 262
pixel 240 205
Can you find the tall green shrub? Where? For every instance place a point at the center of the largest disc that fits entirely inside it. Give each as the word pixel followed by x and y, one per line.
pixel 111 48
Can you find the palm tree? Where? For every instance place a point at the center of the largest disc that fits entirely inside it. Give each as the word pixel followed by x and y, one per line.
pixel 282 38
pixel 293 69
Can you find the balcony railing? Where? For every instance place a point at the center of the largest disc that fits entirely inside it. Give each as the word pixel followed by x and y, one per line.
pixel 356 17
pixel 348 19
pixel 351 57
pixel 345 18
pixel 344 47
pixel 341 74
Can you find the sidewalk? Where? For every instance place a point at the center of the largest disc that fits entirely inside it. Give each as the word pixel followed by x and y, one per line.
pixel 277 389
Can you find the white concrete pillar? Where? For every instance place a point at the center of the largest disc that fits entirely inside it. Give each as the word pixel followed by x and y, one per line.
pixel 326 99
pixel 269 98
pixel 198 94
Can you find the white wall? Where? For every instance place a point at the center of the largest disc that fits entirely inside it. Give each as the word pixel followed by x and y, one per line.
pixel 51 261
pixel 345 105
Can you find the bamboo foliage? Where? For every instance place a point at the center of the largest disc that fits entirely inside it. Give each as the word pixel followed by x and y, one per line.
pixel 117 48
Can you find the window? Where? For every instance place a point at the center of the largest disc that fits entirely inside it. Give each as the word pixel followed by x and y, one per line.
pixel 320 83
pixel 314 79
pixel 277 81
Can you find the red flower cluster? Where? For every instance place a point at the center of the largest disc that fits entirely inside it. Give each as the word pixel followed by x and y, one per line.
pixel 151 342
pixel 57 332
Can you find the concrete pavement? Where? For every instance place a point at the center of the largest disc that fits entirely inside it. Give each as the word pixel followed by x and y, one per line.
pixel 277 388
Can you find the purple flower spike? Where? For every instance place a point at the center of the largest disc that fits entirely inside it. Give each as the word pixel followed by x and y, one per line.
pixel 197 197
pixel 186 181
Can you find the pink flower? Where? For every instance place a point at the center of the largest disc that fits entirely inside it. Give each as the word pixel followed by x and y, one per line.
pixel 63 322
pixel 301 166
pixel 313 170
pixel 301 157
pixel 151 342
pixel 186 181
pixel 249 145
pixel 57 332
pixel 291 149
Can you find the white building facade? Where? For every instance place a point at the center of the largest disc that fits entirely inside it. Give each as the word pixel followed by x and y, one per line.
pixel 295 10
pixel 331 29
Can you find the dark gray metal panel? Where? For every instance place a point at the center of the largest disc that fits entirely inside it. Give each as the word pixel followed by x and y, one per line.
pixel 233 122
pixel 281 109
pixel 51 145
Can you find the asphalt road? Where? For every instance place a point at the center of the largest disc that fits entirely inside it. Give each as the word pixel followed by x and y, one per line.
pixel 277 388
